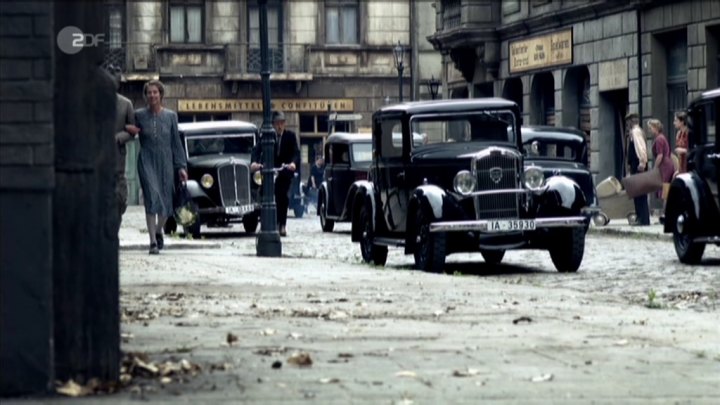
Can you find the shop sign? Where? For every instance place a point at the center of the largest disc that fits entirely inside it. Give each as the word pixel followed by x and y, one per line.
pixel 541 52
pixel 255 105
pixel 613 75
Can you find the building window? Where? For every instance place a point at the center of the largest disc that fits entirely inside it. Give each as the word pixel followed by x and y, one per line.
pixel 537 3
pixel 274 21
pixel 186 21
pixel 510 7
pixel 114 44
pixel 341 22
pixel 452 13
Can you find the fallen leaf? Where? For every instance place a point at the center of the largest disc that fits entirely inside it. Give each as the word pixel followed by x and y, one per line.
pixel 337 315
pixel 231 338
pixel 345 355
pixel 522 319
pixel 300 360
pixel 329 380
pixel 542 378
pixel 268 332
pixel 466 373
pixel 406 374
pixel 294 336
pixel 277 364
pixel 621 342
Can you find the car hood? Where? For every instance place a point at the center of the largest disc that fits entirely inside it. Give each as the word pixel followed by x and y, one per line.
pixel 561 165
pixel 444 151
pixel 217 160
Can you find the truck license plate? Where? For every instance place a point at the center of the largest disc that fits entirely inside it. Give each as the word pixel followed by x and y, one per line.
pixel 507 225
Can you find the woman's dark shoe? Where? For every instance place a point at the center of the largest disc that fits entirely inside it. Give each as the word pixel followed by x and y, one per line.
pixel 154 249
pixel 283 231
pixel 160 241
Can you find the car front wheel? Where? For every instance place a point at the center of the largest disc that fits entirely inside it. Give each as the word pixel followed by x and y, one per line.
pixel 371 253
pixel 568 249
pixel 492 256
pixel 688 252
pixel 429 247
pixel 326 224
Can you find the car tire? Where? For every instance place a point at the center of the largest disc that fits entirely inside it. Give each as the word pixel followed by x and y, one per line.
pixel 193 230
pixel 688 252
pixel 250 223
pixel 568 249
pixel 430 248
pixel 326 224
pixel 492 256
pixel 170 226
pixel 299 211
pixel 371 253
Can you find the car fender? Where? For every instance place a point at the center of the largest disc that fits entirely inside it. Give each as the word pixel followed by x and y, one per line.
pixel 690 187
pixel 361 192
pixel 195 190
pixel 429 197
pixel 561 195
pixel 323 193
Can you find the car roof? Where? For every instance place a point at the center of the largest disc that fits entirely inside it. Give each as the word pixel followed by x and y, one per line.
pixel 451 105
pixel 564 134
pixel 349 137
pixel 707 95
pixel 204 126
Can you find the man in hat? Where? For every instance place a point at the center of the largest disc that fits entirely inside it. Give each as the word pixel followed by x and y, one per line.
pixel 287 158
pixel 636 162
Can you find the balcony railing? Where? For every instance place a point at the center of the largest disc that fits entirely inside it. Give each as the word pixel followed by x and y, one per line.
pixel 283 58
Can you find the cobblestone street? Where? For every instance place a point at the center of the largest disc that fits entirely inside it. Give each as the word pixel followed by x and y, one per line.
pixel 519 332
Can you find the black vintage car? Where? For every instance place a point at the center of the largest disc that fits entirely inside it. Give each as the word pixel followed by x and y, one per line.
pixel 348 157
pixel 218 160
pixel 691 213
pixel 562 151
pixel 463 188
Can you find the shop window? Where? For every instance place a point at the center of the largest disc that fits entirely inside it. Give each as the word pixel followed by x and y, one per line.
pixel 186 21
pixel 318 124
pixel 341 21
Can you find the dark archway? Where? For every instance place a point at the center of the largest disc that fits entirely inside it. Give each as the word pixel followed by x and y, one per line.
pixel 542 99
pixel 576 100
pixel 513 90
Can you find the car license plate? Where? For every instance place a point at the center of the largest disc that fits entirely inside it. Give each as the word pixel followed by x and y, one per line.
pixel 508 225
pixel 232 210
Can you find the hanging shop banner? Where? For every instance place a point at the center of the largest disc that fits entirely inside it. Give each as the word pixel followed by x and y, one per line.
pixel 542 51
pixel 255 105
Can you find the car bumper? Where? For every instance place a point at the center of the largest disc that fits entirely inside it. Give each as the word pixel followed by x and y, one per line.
pixel 238 211
pixel 483 225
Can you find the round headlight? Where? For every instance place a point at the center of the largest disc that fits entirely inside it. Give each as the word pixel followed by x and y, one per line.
pixel 257 178
pixel 534 177
pixel 464 182
pixel 207 180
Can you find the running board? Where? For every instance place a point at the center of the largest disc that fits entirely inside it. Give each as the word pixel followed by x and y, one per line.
pixel 389 242
pixel 707 239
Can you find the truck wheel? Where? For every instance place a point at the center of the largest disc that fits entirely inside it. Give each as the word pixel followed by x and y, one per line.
pixel 370 251
pixel 194 229
pixel 688 252
pixel 430 249
pixel 326 224
pixel 170 226
pixel 250 223
pixel 568 249
pixel 492 256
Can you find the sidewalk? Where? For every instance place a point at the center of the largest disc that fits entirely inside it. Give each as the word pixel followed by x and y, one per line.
pixel 620 227
pixel 133 234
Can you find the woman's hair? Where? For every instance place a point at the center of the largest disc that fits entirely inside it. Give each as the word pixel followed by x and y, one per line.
pixel 682 117
pixel 156 83
pixel 655 123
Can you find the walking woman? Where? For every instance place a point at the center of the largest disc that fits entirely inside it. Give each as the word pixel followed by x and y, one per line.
pixel 661 151
pixel 681 139
pixel 161 156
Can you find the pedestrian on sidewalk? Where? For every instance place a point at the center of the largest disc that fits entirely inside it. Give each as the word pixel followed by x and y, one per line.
pixel 317 174
pixel 161 157
pixel 636 162
pixel 125 131
pixel 287 158
pixel 681 139
pixel 661 151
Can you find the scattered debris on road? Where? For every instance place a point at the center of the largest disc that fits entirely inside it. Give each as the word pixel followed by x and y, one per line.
pixel 300 359
pixel 542 378
pixel 522 319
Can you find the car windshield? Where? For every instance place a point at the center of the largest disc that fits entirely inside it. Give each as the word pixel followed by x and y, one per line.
pixel 219 144
pixel 362 152
pixel 479 126
pixel 553 149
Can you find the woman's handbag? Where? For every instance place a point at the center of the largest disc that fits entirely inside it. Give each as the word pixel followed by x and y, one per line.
pixel 185 210
pixel 643 183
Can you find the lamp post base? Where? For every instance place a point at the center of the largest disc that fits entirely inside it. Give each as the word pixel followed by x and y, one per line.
pixel 268 244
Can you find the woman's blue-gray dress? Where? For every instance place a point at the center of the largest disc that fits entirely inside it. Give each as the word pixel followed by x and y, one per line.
pixel 161 156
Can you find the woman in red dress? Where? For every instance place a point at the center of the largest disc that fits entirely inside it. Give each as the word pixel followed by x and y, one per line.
pixel 661 152
pixel 681 139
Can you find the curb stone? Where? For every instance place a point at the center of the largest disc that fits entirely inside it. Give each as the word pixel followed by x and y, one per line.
pixel 630 233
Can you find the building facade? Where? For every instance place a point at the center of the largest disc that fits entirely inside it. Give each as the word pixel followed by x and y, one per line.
pixel 582 63
pixel 333 54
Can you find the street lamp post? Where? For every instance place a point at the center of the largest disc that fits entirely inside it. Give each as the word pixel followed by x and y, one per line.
pixel 433 85
pixel 268 240
pixel 399 53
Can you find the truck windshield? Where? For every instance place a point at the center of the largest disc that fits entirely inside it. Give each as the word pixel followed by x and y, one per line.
pixel 224 144
pixel 479 126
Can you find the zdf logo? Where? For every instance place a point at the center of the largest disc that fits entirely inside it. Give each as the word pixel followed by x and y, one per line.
pixel 72 40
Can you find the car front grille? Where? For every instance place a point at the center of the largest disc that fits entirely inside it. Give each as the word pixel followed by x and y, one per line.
pixel 234 182
pixel 497 171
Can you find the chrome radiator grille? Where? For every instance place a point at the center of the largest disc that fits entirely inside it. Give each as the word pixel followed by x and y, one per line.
pixel 497 171
pixel 234 183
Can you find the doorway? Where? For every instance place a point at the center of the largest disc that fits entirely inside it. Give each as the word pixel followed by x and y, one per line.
pixel 542 99
pixel 613 108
